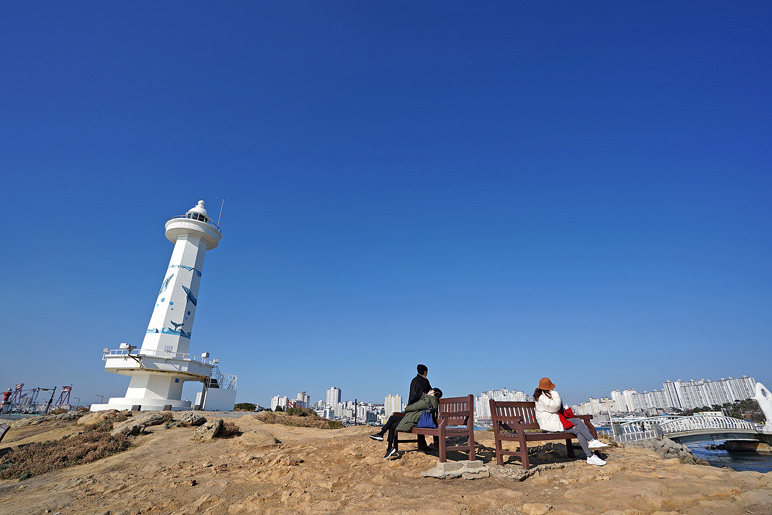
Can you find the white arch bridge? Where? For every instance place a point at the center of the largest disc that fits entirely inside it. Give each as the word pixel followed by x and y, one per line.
pixel 678 427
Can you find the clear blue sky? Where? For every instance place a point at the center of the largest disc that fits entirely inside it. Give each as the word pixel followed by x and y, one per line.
pixel 502 191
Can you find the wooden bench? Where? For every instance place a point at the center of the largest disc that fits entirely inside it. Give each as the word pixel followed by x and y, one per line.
pixel 516 422
pixel 453 411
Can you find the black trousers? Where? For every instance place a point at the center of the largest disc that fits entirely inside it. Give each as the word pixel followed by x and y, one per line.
pixel 391 427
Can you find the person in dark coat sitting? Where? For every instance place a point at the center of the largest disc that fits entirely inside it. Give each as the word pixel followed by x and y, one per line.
pixel 409 420
pixel 419 386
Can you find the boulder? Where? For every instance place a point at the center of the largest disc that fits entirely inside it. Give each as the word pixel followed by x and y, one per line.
pixel 151 419
pixel 128 430
pixel 193 419
pixel 452 469
pixel 667 448
pixel 257 438
pixel 209 430
pixel 69 415
pixel 30 421
pixel 94 418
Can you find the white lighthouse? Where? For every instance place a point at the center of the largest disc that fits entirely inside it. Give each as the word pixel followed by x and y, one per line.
pixel 161 366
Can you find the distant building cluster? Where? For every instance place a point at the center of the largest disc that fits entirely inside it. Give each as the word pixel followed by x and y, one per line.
pixel 348 412
pixel 334 408
pixel 674 396
pixel 284 402
pixel 482 407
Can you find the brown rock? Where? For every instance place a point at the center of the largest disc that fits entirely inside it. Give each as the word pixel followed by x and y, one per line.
pixel 209 430
pixel 257 438
pixel 535 509
pixel 193 419
pixel 96 417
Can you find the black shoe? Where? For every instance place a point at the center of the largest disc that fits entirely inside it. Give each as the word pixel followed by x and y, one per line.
pixel 377 436
pixel 390 452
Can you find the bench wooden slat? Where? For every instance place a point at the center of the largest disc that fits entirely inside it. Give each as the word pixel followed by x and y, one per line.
pixel 519 418
pixel 453 411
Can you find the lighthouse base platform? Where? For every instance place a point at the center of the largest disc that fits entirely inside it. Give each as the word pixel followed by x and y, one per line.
pixel 125 403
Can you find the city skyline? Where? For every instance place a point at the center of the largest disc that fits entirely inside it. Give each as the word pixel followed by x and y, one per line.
pixel 674 396
pixel 477 188
pixel 737 389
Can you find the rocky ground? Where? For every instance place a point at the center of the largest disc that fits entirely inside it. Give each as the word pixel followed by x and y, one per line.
pixel 271 468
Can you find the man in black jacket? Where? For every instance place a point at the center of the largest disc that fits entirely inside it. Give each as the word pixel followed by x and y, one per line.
pixel 419 386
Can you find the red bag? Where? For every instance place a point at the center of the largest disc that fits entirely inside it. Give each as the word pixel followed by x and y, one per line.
pixel 564 415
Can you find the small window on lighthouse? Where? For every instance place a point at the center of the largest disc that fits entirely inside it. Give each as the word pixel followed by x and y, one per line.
pixel 198 216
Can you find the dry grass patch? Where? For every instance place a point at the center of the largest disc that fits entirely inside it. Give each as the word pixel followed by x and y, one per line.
pixel 270 417
pixel 228 430
pixel 34 459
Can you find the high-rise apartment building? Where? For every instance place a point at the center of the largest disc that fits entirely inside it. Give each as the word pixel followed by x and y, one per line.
pixel 279 400
pixel 333 396
pixel 392 404
pixel 671 395
pixel 482 403
pixel 697 394
pixel 684 395
pixel 304 400
pixel 628 399
pixel 617 402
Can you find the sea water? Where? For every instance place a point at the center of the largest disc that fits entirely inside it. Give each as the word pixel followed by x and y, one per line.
pixel 733 460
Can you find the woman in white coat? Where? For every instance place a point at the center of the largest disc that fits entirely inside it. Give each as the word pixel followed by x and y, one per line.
pixel 548 407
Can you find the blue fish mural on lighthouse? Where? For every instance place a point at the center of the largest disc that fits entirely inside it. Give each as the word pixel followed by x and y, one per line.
pixel 191 298
pixel 165 283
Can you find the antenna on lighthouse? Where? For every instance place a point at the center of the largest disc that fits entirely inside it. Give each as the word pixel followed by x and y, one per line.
pixel 219 217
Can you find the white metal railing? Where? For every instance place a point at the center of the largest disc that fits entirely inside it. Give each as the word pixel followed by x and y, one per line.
pixel 186 217
pixel 117 353
pixel 647 424
pixel 629 436
pixel 224 381
pixel 645 429
pixel 707 422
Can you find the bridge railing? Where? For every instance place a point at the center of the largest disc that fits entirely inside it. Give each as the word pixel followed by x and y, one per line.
pixel 648 424
pixel 629 435
pixel 707 422
pixel 653 427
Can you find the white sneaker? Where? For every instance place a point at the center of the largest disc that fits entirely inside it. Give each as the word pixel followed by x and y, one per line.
pixel 596 444
pixel 594 460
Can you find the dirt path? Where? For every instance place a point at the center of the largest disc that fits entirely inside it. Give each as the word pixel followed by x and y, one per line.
pixel 334 471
